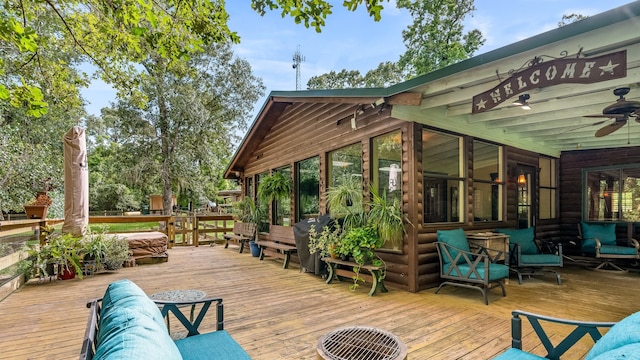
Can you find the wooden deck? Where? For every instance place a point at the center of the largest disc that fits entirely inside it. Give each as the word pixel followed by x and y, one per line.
pixel 280 314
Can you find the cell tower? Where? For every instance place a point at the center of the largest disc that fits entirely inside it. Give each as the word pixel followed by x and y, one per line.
pixel 297 59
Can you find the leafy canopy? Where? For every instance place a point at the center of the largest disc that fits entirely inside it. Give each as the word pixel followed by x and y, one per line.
pixel 115 36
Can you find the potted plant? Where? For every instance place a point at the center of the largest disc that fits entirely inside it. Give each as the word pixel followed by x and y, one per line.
pixel 249 212
pixel 345 201
pixel 37 208
pixel 327 242
pixel 65 255
pixel 387 219
pixel 116 252
pixel 360 243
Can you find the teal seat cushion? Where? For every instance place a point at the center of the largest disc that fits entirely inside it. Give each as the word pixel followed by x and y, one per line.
pixel 540 259
pixel 517 354
pixel 622 341
pixel 617 250
pixel 525 238
pixel 456 238
pixel 213 345
pixel 129 328
pixel 606 233
pixel 496 271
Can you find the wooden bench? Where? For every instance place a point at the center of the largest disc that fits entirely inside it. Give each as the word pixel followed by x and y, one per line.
pixel 377 273
pixel 280 242
pixel 242 232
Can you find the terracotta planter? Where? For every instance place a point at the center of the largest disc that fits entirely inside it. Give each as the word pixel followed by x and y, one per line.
pixel 36 211
pixel 64 274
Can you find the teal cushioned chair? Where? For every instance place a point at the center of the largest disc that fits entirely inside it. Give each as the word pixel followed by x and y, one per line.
pixel 600 240
pixel 461 267
pixel 526 258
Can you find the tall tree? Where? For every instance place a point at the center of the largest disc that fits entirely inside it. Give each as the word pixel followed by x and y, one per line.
pixel 436 38
pixel 185 133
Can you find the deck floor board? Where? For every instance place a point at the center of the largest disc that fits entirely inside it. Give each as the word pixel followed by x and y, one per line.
pixel 280 314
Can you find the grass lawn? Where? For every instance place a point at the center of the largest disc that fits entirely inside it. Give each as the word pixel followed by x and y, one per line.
pixel 126 227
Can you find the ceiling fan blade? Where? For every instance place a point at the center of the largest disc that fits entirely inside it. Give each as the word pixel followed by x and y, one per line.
pixel 610 116
pixel 610 128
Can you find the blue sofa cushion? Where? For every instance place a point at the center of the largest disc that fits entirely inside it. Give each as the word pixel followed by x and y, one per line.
pixel 456 238
pixel 606 233
pixel 525 238
pixel 496 271
pixel 214 345
pixel 129 328
pixel 622 341
pixel 517 354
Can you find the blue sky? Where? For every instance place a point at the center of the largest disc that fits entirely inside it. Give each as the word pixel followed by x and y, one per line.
pixel 353 41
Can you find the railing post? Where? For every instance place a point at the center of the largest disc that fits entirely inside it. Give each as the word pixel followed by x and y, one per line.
pixel 194 221
pixel 171 230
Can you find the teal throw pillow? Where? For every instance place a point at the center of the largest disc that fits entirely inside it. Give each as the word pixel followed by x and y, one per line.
pixel 525 238
pixel 606 233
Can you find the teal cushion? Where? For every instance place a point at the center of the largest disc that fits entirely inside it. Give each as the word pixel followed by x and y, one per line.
pixel 618 250
pixel 625 352
pixel 456 238
pixel 615 341
pixel 540 260
pixel 606 233
pixel 517 354
pixel 525 238
pixel 213 345
pixel 129 328
pixel 496 271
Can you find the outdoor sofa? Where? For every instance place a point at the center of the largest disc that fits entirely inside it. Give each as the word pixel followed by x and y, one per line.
pixel 127 324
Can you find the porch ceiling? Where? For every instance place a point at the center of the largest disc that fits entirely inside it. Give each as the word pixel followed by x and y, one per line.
pixel 557 119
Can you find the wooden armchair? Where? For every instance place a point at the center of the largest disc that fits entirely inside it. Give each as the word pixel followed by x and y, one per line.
pixel 461 267
pixel 529 256
pixel 600 240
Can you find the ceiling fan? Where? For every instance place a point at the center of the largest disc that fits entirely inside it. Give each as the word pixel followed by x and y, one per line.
pixel 620 111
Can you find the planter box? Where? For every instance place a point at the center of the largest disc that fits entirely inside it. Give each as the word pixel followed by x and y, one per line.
pixel 36 211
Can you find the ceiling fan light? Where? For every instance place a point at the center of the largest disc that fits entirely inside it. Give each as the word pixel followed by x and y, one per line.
pixel 522 102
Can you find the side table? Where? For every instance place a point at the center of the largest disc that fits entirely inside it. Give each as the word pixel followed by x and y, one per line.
pixel 179 296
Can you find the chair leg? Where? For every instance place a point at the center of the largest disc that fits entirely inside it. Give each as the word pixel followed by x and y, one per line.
pixel 608 266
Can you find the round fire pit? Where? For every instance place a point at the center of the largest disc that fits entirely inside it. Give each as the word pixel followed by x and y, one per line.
pixel 361 343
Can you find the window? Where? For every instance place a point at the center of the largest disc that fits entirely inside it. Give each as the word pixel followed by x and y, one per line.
pixel 308 177
pixel 443 176
pixel 612 194
pixel 282 207
pixel 548 186
pixel 263 208
pixel 386 165
pixel 344 168
pixel 487 182
pixel 248 181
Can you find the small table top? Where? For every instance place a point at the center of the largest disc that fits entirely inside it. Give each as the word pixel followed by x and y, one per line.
pixel 179 295
pixel 361 343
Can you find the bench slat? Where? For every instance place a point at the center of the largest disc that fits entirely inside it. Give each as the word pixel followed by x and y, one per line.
pixel 279 239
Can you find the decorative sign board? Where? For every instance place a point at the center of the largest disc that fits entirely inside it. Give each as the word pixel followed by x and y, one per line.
pixel 554 72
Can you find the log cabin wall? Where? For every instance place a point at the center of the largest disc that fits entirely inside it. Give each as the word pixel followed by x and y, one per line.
pixel 571 165
pixel 305 130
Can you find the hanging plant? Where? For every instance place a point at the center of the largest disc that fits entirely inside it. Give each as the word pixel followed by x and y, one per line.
pixel 272 187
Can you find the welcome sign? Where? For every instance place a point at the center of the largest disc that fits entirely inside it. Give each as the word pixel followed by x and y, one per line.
pixel 558 71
